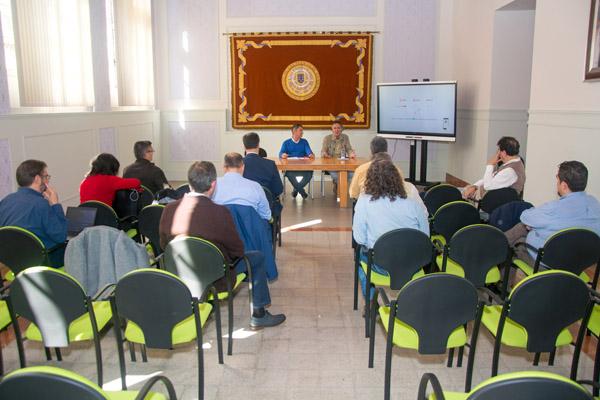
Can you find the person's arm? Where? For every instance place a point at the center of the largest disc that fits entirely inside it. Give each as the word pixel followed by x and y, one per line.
pixel 263 204
pixel 538 217
pixel 359 224
pixel 355 184
pixel 413 194
pixel 54 222
pixel 421 219
pixel 308 150
pixel 164 228
pixel 160 179
pixel 125 183
pixel 502 179
pixel 283 150
pixel 349 150
pixel 325 147
pixel 276 184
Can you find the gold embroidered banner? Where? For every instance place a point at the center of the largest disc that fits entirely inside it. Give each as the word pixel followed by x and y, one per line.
pixel 313 79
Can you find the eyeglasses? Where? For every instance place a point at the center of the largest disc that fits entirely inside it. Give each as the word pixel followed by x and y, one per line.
pixel 46 177
pixel 149 151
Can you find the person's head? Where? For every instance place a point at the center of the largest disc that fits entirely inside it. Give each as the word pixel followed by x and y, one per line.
pixel 384 180
pixel 33 174
pixel 297 132
pixel 233 162
pixel 508 147
pixel 251 141
pixel 104 164
pixel 378 145
pixel 202 177
pixel 572 177
pixel 143 150
pixel 336 129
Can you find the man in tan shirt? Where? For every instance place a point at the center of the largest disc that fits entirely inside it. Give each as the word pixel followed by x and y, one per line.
pixel 337 145
pixel 379 150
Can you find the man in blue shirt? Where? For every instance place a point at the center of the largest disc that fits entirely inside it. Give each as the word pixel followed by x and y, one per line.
pixel 262 170
pixel 297 147
pixel 574 209
pixel 35 207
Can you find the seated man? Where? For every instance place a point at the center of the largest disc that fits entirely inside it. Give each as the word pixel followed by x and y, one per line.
pixel 262 170
pixel 197 215
pixel 144 169
pixel 297 147
pixel 574 208
pixel 379 152
pixel 337 145
pixel 504 169
pixel 35 207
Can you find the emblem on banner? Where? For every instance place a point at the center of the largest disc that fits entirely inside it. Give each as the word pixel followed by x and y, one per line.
pixel 300 80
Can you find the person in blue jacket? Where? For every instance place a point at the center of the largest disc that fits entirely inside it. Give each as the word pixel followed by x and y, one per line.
pixel 297 147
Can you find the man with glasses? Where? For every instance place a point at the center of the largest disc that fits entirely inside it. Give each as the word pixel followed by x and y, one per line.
pixel 35 207
pixel 144 169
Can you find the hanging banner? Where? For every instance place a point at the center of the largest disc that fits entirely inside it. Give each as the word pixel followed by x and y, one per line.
pixel 279 79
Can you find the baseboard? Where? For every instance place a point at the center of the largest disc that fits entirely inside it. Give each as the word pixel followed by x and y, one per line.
pixel 453 180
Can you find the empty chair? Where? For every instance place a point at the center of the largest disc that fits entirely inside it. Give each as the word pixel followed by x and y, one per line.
pixel 450 217
pixel 59 309
pixel 439 195
pixel 148 223
pixel 20 249
pixel 35 383
pixel 276 219
pixel 496 198
pixel 530 385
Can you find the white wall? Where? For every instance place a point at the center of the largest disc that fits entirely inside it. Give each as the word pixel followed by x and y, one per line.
pixel 564 111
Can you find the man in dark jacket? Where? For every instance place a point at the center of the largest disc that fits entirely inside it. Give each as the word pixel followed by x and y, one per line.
pixel 197 215
pixel 144 169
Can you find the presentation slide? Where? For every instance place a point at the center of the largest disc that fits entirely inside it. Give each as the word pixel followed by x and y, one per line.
pixel 418 108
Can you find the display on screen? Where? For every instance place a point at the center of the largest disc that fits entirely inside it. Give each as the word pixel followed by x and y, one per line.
pixel 417 110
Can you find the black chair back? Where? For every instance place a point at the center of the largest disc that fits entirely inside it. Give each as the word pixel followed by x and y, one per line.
pixel 478 248
pixel 148 224
pixel 196 261
pixel 453 216
pixel 37 385
pixel 496 198
pixel 531 388
pixel 545 304
pixel 573 250
pixel 20 249
pixel 435 305
pixel 183 189
pixel 105 215
pixel 155 301
pixel 439 195
pixel 402 252
pixel 508 215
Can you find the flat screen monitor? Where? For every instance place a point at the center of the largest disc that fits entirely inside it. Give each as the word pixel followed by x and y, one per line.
pixel 417 110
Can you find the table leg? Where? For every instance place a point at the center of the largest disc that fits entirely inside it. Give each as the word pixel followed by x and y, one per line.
pixel 343 188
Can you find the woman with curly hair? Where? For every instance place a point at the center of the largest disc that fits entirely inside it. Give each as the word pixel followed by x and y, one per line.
pixel 383 207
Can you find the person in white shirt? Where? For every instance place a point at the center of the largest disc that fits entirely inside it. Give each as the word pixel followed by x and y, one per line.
pixel 504 169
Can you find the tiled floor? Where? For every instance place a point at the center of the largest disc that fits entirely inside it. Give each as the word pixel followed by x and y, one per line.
pixel 320 351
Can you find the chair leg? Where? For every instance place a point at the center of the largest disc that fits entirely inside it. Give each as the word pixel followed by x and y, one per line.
pixel 372 330
pixel 1 362
pixel 367 310
pixel 230 324
pixel 48 354
pixel 459 360
pixel 388 356
pixel 596 376
pixel 356 266
pixel 536 359
pixel 143 351
pixel 450 357
pixel 495 358
pixel 551 358
pixel 200 351
pixel 58 354
pixel 132 351
pixel 218 328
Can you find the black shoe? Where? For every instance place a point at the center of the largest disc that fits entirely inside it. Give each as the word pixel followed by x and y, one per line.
pixel 294 193
pixel 303 194
pixel 266 321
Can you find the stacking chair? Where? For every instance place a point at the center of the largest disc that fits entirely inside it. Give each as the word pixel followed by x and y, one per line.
pixel 572 249
pixel 439 195
pixel 20 249
pixel 276 222
pixel 429 315
pixel 537 314
pixel 35 383
pixel 161 312
pixel 190 258
pixel 59 310
pixel 4 323
pixel 148 224
pixel 450 217
pixel 496 198
pixel 107 216
pixel 530 385
pixel 475 252
pixel 403 253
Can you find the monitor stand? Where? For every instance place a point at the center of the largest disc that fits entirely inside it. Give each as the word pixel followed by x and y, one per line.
pixel 423 167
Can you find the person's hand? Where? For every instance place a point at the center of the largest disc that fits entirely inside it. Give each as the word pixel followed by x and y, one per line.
pixel 494 159
pixel 284 156
pixel 50 195
pixel 469 192
pixel 352 155
pixel 311 156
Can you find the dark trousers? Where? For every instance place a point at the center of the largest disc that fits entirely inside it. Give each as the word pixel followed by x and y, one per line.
pixel 260 287
pixel 299 184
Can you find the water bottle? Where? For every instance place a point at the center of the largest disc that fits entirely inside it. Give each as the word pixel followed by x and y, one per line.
pixel 343 154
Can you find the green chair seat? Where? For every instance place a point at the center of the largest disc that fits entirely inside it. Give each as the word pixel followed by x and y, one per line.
pixel 224 295
pixel 451 396
pixel 131 233
pixel 594 324
pixel 405 336
pixel 384 280
pixel 439 238
pixel 528 270
pixel 132 395
pixel 452 267
pixel 183 332
pixel 514 334
pixel 4 315
pixel 81 328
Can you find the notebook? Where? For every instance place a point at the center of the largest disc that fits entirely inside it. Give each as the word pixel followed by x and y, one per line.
pixel 79 218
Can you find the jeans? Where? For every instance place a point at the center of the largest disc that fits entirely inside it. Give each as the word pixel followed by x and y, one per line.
pixel 299 185
pixel 260 288
pixel 362 276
